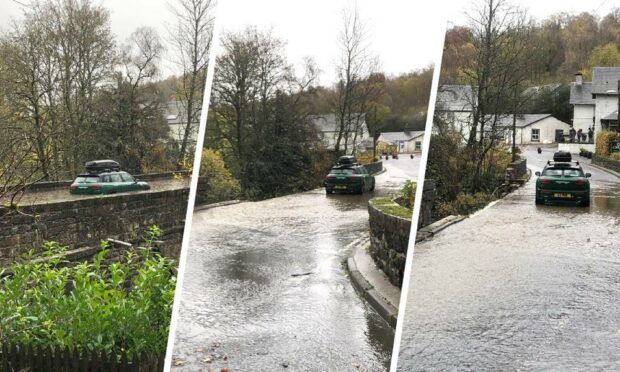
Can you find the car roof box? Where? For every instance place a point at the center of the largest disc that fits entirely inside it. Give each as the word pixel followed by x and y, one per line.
pixel 562 156
pixel 100 166
pixel 347 159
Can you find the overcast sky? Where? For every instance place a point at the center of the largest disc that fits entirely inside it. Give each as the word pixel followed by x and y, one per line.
pixel 405 34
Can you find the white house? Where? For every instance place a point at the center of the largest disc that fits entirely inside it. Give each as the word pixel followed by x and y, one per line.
pixel 405 142
pixel 455 105
pixel 354 136
pixel 595 103
pixel 176 116
pixel 534 129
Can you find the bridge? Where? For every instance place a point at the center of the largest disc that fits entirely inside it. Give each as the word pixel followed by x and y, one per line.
pixel 47 212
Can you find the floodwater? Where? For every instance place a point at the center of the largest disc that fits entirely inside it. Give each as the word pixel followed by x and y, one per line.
pixel 520 287
pixel 265 288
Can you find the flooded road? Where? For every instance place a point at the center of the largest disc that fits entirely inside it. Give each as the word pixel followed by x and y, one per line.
pixel 520 287
pixel 265 289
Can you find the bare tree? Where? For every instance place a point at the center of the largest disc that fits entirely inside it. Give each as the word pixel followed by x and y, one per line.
pixel 356 63
pixel 191 37
pixel 495 75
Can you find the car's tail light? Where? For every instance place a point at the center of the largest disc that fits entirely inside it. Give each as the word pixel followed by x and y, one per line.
pixel 96 187
pixel 72 187
pixel 580 182
pixel 544 181
pixel 352 179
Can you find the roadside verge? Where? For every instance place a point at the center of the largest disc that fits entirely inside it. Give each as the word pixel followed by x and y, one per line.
pixel 372 284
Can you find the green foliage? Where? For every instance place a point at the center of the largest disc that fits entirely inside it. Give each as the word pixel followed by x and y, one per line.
pixel 408 193
pixel 122 306
pixel 603 56
pixel 464 204
pixel 221 185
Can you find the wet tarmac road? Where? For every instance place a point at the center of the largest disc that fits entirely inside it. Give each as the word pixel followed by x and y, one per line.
pixel 265 289
pixel 519 286
pixel 62 194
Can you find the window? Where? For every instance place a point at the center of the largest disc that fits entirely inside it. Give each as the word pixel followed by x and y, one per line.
pixel 535 135
pixel 344 171
pixel 127 177
pixel 116 178
pixel 418 146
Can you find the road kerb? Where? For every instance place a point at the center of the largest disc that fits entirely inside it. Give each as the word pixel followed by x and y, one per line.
pixel 431 230
pixel 368 292
pixel 605 169
pixel 215 205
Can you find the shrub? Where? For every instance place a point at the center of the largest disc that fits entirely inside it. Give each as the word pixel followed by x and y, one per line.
pixel 365 157
pixel 465 204
pixel 221 185
pixel 604 141
pixel 408 193
pixel 123 306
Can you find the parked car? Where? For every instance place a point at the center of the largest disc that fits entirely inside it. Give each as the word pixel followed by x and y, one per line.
pixel 349 179
pixel 563 181
pixel 106 183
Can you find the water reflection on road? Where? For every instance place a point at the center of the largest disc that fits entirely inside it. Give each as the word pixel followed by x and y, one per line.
pixel 265 287
pixel 519 286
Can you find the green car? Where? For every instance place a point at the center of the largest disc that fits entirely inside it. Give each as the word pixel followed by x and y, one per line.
pixel 106 183
pixel 563 182
pixel 349 178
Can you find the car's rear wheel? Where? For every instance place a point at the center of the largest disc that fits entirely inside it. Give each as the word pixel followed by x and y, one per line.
pixel 372 186
pixel 585 202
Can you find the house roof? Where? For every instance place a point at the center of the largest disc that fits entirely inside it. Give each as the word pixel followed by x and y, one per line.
pixel 524 120
pixel 455 98
pixel 329 122
pixel 612 116
pixel 605 80
pixel 400 136
pixel 581 94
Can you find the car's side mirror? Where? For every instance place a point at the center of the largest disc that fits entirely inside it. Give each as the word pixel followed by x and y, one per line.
pixel 588 175
pixel 537 173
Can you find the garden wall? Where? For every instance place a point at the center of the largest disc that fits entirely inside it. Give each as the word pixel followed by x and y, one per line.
pixel 389 239
pixel 520 168
pixel 85 222
pixel 374 168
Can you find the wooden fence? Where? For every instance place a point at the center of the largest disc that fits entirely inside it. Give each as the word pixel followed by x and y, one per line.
pixel 20 358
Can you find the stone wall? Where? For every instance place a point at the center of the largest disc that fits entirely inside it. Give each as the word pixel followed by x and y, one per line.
pixel 389 239
pixel 374 168
pixel 429 193
pixel 519 168
pixel 85 222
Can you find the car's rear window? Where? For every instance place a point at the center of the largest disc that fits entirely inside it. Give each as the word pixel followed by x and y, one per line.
pixel 573 173
pixel 86 179
pixel 342 171
pixel 566 172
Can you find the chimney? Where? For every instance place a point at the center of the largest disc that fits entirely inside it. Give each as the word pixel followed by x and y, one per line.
pixel 578 78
